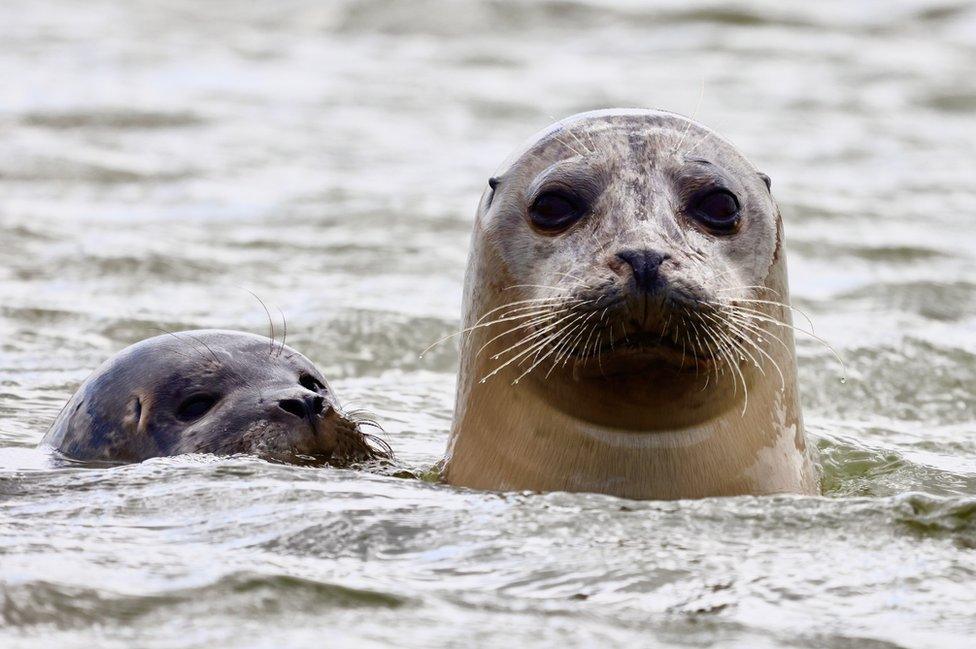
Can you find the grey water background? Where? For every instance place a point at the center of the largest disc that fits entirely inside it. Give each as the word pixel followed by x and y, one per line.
pixel 158 158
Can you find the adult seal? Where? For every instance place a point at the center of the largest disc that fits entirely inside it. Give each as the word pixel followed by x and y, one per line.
pixel 627 320
pixel 209 391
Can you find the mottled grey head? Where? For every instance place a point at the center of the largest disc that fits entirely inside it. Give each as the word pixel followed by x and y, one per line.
pixel 628 232
pixel 207 391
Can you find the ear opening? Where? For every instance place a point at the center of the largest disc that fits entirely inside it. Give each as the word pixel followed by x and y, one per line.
pixel 492 184
pixel 767 180
pixel 133 415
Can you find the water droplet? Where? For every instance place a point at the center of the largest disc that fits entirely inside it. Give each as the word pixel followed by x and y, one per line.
pixel 843 379
pixel 484 379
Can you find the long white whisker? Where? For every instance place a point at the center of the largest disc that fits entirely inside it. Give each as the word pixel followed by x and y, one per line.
pixel 759 349
pixel 759 315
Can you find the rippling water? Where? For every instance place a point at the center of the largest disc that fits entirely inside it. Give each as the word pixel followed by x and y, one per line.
pixel 158 158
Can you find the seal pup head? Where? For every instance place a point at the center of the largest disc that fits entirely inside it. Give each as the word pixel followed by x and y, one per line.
pixel 209 391
pixel 626 276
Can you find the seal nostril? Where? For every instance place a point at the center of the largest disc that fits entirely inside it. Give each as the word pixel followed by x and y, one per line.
pixel 293 407
pixel 316 404
pixel 309 382
pixel 645 264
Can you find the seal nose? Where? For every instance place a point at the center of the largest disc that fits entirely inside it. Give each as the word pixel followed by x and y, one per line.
pixel 307 407
pixel 645 265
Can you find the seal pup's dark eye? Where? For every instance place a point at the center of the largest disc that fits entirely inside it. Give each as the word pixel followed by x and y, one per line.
pixel 555 211
pixel 718 210
pixel 309 382
pixel 195 406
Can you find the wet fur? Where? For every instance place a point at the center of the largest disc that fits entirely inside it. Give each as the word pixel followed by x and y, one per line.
pixel 123 412
pixel 699 407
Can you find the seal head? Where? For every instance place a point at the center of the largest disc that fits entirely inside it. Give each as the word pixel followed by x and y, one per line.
pixel 209 391
pixel 628 319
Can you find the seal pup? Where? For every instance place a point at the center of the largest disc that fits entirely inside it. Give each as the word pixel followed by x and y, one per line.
pixel 209 391
pixel 626 320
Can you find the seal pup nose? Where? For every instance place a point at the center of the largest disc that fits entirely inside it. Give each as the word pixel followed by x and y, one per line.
pixel 645 265
pixel 306 407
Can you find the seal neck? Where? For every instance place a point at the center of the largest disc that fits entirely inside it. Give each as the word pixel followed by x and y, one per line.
pixel 551 436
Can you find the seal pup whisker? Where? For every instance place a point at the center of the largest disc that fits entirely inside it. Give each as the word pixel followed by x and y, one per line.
pixel 284 332
pixel 170 333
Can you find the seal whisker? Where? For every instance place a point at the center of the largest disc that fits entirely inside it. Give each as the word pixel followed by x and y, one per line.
pixel 562 347
pixel 718 344
pixel 745 339
pixel 701 96
pixel 802 313
pixel 567 145
pixel 701 141
pixel 527 305
pixel 537 348
pixel 696 342
pixel 737 371
pixel 582 330
pixel 578 141
pixel 758 287
pixel 561 289
pixel 480 325
pixel 589 336
pixel 545 317
pixel 540 332
pixel 170 333
pixel 735 345
pixel 538 359
pixel 759 315
pixel 284 332
pixel 579 280
pixel 743 322
pixel 212 353
pixel 270 320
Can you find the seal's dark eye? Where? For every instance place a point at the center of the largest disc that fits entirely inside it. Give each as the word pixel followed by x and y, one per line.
pixel 718 210
pixel 555 211
pixel 196 406
pixel 309 382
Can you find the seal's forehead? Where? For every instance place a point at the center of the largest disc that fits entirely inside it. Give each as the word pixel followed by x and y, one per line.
pixel 582 133
pixel 207 350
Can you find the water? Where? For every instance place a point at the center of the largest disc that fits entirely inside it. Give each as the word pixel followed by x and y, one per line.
pixel 158 158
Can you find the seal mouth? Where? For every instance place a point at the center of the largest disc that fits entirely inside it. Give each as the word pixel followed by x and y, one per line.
pixel 654 345
pixel 334 439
